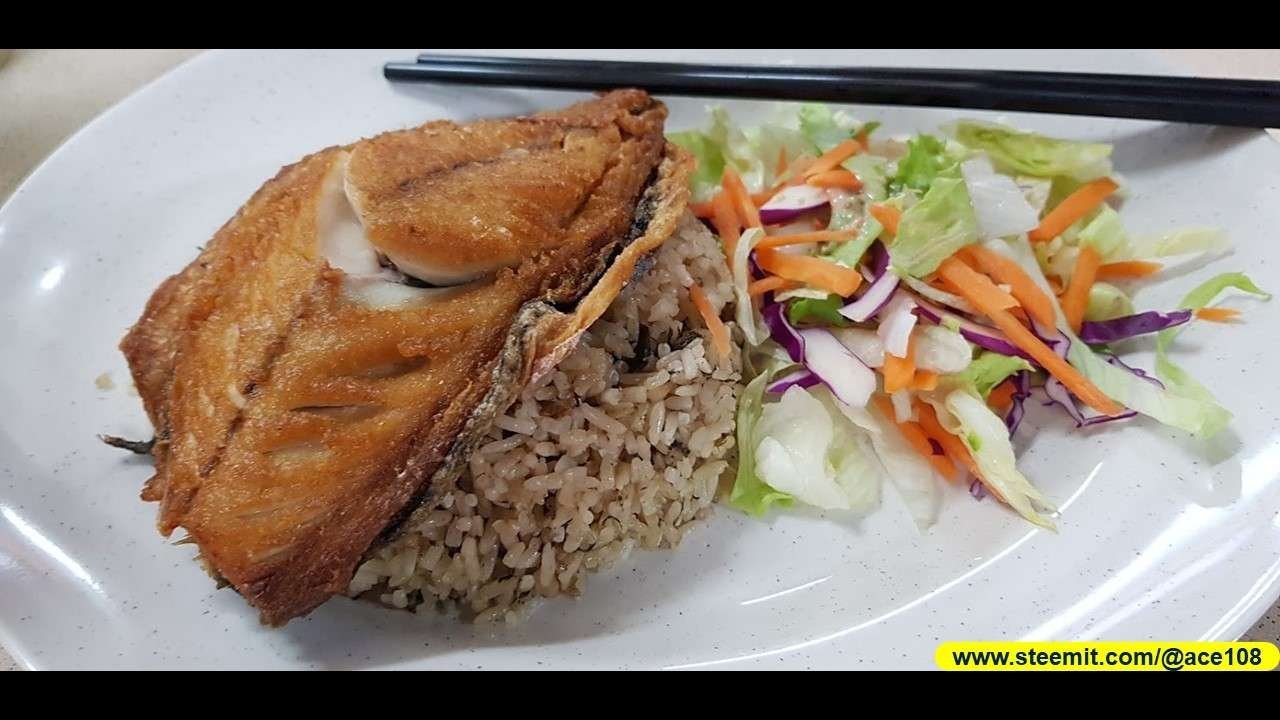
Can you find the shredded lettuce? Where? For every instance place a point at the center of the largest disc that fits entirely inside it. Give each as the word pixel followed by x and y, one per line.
pixel 1026 153
pixel 845 212
pixel 744 310
pixel 1107 302
pixel 805 292
pixel 870 169
pixel 1105 234
pixel 988 370
pixel 988 440
pixel 1199 415
pixel 752 152
pixel 1181 242
pixel 934 228
pixel 751 494
pixel 850 253
pixel 1174 376
pixel 910 474
pixel 823 128
pixel 770 140
pixel 1035 191
pixel 998 203
pixel 808 311
pixel 792 437
pixel 942 350
pixel 865 344
pixel 855 467
pixel 926 158
pixel 814 455
pixel 738 150
pixel 705 180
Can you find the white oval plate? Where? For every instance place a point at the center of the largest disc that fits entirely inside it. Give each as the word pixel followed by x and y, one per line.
pixel 1160 537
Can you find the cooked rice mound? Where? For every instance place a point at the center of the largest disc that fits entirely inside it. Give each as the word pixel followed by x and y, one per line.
pixel 624 444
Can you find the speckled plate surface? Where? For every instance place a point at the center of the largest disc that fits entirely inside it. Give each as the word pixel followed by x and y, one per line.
pixel 1160 537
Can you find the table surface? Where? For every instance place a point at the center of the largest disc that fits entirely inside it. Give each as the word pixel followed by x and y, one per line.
pixel 49 94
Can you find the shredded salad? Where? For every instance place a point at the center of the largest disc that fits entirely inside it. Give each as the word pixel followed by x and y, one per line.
pixel 902 299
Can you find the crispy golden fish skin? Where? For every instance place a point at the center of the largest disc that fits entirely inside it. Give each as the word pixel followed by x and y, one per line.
pixel 299 423
pixel 176 329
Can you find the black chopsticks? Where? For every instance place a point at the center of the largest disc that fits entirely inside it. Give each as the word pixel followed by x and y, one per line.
pixel 1245 103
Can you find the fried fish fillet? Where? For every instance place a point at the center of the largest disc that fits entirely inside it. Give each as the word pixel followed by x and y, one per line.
pixel 306 395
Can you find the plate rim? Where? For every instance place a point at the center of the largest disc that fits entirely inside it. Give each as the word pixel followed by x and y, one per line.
pixel 1244 616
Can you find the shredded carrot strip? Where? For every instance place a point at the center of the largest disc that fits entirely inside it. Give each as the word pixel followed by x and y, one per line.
pixel 1075 206
pixel 863 137
pixel 953 446
pixel 760 198
pixel 898 372
pixel 781 167
pixel 939 282
pixel 1022 287
pixel 963 277
pixel 917 438
pixel 725 221
pixel 793 175
pixel 1055 283
pixel 1021 315
pixel 965 281
pixel 840 178
pixel 924 380
pixel 703 210
pixel 1218 314
pixel 813 271
pixel 832 158
pixel 1001 396
pixel 1076 299
pixel 719 333
pixel 1128 269
pixel 888 216
pixel 748 214
pixel 771 283
pixel 805 238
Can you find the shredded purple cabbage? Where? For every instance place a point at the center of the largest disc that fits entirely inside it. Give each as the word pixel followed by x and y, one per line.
pixel 987 338
pixel 1108 331
pixel 1058 394
pixel 802 377
pixel 879 257
pixel 1022 391
pixel 1114 360
pixel 976 490
pixel 873 300
pixel 782 331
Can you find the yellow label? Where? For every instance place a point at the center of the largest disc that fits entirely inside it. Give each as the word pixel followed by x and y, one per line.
pixel 1107 656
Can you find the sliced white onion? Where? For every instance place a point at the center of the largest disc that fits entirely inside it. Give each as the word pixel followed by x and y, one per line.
pixel 839 369
pixel 896 322
pixel 791 202
pixel 873 300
